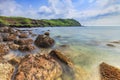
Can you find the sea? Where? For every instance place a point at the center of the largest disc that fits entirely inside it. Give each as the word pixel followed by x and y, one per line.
pixel 86 47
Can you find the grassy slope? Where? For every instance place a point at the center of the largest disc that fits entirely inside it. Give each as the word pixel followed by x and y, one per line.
pixel 27 22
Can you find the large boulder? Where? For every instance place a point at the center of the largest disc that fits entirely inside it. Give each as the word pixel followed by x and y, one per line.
pixel 109 72
pixel 44 41
pixel 38 67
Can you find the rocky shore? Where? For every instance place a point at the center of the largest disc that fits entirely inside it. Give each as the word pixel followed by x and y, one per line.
pixel 33 65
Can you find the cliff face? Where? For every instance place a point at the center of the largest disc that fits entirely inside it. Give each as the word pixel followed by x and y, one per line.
pixel 27 22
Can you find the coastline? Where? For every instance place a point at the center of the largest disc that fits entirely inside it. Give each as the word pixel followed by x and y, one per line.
pixel 27 22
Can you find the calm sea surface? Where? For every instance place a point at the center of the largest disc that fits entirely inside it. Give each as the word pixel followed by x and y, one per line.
pixel 86 46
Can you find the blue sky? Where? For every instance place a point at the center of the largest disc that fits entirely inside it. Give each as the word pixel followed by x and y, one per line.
pixel 87 12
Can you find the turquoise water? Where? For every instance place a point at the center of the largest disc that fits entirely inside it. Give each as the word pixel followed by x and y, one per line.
pixel 86 46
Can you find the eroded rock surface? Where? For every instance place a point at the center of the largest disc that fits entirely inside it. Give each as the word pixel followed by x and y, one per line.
pixel 42 67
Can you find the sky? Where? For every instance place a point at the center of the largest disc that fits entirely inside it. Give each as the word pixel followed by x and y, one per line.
pixel 87 12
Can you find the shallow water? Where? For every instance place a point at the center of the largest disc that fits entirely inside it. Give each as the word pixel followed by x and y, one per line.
pixel 86 47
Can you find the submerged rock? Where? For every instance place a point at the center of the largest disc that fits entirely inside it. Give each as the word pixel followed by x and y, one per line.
pixel 109 72
pixel 39 67
pixel 44 41
pixel 110 45
pixel 6 71
pixel 70 71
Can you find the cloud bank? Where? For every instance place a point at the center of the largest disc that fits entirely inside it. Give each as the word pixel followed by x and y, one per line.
pixel 88 12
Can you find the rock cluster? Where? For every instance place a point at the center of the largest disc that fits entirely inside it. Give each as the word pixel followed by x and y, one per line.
pixel 31 66
pixel 14 39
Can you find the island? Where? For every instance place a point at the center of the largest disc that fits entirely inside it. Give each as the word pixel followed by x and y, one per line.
pixel 28 22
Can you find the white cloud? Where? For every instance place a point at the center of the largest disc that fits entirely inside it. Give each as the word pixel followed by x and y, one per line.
pixel 106 21
pixel 57 9
pixel 45 9
pixel 64 9
pixel 9 7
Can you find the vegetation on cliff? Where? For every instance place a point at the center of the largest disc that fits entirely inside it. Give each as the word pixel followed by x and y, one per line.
pixel 27 22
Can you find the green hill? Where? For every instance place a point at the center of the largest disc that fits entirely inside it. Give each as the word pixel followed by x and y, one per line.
pixel 27 22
